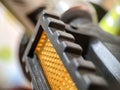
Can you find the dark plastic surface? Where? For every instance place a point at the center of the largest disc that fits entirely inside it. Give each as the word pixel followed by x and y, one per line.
pixel 102 49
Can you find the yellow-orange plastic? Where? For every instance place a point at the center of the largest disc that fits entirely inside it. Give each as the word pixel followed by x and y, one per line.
pixel 53 68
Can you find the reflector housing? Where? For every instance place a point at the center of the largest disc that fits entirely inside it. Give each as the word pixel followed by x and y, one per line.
pixel 55 61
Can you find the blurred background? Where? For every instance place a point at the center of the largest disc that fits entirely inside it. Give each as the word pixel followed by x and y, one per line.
pixel 17 21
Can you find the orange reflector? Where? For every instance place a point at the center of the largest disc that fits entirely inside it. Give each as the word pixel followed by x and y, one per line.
pixel 53 68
